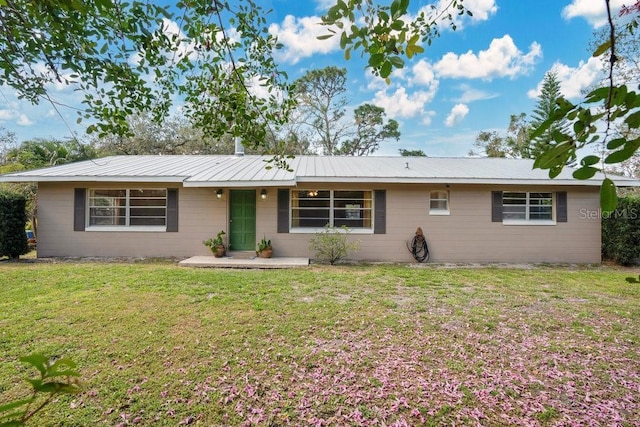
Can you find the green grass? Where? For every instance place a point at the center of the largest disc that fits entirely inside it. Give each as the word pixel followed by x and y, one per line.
pixel 359 345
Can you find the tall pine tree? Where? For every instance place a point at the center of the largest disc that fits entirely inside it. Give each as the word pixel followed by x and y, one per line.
pixel 549 95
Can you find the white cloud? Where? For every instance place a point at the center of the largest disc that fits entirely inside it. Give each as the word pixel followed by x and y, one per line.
pixel 458 112
pixel 401 104
pixel 375 83
pixel 324 4
pixel 423 74
pixel 501 59
pixel 470 94
pixel 481 10
pixel 427 117
pixel 18 118
pixel 23 120
pixel 573 80
pixel 299 37
pixel 7 115
pixel 594 11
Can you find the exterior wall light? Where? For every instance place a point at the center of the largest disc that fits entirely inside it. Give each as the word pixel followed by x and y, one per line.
pixel 219 193
pixel 263 194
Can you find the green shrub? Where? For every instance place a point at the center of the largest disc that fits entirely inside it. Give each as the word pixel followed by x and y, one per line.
pixel 13 217
pixel 621 232
pixel 332 244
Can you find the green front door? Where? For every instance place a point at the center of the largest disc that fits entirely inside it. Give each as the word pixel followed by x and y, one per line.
pixel 242 218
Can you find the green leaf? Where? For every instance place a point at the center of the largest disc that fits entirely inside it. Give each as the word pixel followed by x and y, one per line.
pixel 542 128
pixel 555 171
pixel 385 70
pixel 343 40
pixel 627 152
pixel 375 60
pixel 585 172
pixel 18 403
pixel 555 156
pixel 396 61
pixel 589 160
pixel 615 143
pixel 602 48
pixel 395 6
pixel 397 25
pixel 608 196
pixel 36 360
pixel 324 37
pixel 414 49
pixel 633 120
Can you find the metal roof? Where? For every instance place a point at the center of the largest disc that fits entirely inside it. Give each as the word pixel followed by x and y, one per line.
pixel 238 171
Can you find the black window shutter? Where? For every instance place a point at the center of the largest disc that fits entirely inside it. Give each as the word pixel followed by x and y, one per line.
pixel 283 210
pixel 496 206
pixel 561 206
pixel 172 209
pixel 79 206
pixel 380 218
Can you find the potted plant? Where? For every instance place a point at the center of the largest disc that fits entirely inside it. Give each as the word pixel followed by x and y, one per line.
pixel 264 248
pixel 216 245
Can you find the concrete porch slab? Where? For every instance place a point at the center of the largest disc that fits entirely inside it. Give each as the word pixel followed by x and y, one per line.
pixel 231 262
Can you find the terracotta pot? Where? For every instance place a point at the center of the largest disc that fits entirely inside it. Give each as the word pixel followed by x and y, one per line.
pixel 266 253
pixel 218 251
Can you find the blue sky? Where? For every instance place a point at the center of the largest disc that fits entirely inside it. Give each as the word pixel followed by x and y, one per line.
pixel 467 81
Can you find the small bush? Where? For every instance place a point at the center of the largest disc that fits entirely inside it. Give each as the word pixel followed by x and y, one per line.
pixel 13 217
pixel 332 244
pixel 621 232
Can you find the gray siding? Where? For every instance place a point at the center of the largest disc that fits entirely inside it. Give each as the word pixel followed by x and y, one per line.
pixel 466 235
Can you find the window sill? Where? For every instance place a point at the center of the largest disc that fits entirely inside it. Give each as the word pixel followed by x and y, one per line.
pixel 525 222
pixel 439 212
pixel 338 230
pixel 135 229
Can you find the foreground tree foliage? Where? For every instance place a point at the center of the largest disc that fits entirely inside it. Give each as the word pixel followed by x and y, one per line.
pixel 606 106
pixel 142 57
pixel 56 377
pixel 132 57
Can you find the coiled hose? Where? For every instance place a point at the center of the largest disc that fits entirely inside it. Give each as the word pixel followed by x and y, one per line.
pixel 418 247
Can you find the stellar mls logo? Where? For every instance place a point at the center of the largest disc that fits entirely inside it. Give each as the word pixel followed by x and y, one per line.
pixel 631 213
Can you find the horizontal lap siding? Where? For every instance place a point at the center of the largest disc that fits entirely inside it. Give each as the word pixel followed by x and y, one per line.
pixel 200 215
pixel 467 235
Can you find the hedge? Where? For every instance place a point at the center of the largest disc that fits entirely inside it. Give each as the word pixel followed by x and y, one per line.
pixel 621 232
pixel 13 217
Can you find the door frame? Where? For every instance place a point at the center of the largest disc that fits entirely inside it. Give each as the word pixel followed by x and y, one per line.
pixel 246 246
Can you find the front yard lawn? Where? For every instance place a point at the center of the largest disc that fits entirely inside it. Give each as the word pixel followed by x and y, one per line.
pixel 368 345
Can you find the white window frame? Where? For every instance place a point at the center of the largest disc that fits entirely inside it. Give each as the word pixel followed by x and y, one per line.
pixel 439 211
pixel 332 208
pixel 127 207
pixel 528 205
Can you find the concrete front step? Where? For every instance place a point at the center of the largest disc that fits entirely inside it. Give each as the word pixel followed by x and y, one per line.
pixel 233 262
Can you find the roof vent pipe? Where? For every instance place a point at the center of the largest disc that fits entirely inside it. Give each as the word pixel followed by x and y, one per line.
pixel 239 147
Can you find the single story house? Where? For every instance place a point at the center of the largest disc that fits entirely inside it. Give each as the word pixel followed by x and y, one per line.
pixel 471 209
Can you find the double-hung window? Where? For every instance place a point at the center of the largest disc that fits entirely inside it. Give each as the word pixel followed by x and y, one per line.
pixel 314 209
pixel 116 208
pixel 531 207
